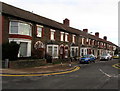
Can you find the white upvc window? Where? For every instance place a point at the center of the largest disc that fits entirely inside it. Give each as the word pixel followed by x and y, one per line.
pixel 52 50
pixel 20 27
pixel 62 36
pixel 74 51
pixel 82 41
pixel 87 40
pixel 66 37
pixel 52 34
pixel 73 38
pixel 39 30
pixel 83 51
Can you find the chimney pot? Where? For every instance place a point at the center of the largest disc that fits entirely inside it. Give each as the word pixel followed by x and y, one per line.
pixel 105 38
pixel 85 30
pixel 97 34
pixel 66 22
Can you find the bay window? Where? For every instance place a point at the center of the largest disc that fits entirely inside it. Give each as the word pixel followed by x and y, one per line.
pixel 74 51
pixel 18 27
pixel 52 50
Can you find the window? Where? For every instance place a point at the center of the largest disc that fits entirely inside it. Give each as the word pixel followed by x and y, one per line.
pixel 66 37
pixel 82 41
pixel 74 51
pixel 83 51
pixel 52 50
pixel 17 27
pixel 87 40
pixel 62 36
pixel 73 38
pixel 52 34
pixel 14 27
pixel 39 30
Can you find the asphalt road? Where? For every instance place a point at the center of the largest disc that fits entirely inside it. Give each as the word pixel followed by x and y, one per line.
pixel 99 75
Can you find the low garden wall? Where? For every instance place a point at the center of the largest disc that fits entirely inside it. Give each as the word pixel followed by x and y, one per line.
pixel 27 63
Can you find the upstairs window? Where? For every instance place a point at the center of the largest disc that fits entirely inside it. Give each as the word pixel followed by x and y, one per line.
pixel 87 40
pixel 52 36
pixel 62 36
pixel 73 38
pixel 22 28
pixel 82 41
pixel 66 37
pixel 39 31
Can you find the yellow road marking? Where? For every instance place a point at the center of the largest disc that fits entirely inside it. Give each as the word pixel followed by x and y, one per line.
pixel 116 66
pixel 77 68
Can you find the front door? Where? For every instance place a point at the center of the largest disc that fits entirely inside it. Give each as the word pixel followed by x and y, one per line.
pixel 62 55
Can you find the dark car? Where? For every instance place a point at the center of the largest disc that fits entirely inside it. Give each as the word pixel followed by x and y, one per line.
pixel 87 58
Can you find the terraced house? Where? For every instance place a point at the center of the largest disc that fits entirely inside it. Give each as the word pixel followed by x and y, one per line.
pixel 59 40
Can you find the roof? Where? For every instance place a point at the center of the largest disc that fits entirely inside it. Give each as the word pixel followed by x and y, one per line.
pixel 26 15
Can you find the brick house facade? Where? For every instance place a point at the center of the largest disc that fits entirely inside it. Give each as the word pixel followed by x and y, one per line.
pixel 59 40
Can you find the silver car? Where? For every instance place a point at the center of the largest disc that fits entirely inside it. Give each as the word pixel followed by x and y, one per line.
pixel 105 57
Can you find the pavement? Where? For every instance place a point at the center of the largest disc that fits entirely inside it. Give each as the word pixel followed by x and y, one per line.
pixel 50 68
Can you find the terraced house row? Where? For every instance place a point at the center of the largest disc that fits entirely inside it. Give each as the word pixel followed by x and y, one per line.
pixel 59 40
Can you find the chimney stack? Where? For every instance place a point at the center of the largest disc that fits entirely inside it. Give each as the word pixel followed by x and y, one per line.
pixel 85 30
pixel 97 34
pixel 66 22
pixel 105 38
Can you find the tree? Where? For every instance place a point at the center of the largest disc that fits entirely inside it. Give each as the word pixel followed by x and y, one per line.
pixel 10 50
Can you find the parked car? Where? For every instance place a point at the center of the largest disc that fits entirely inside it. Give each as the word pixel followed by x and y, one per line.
pixel 116 56
pixel 87 58
pixel 106 56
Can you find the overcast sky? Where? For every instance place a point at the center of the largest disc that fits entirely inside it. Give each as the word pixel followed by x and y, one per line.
pixel 95 15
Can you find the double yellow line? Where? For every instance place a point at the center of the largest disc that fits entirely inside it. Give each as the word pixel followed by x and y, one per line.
pixel 47 74
pixel 116 66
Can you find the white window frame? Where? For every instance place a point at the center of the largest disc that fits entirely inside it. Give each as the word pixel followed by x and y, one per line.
pixel 53 46
pixel 74 47
pixel 82 41
pixel 61 36
pixel 52 34
pixel 39 26
pixel 66 37
pixel 18 27
pixel 73 38
pixel 84 51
